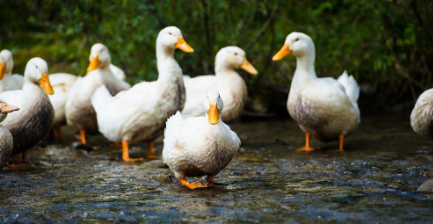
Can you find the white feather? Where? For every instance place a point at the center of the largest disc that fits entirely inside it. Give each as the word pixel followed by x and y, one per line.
pixel 350 85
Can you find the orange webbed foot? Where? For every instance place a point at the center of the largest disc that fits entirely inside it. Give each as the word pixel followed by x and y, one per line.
pixel 153 156
pixel 132 160
pixel 200 183
pixel 305 149
pixel 341 148
pixel 336 150
pixel 125 153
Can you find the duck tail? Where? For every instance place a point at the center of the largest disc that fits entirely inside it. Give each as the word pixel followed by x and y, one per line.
pixel 350 85
pixel 100 98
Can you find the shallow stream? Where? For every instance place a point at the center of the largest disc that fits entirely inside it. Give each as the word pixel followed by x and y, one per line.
pixel 375 180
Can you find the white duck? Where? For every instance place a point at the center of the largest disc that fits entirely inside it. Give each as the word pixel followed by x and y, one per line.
pixel 226 80
pixel 421 118
pixel 199 146
pixel 79 109
pixel 7 80
pixel 139 114
pixel 6 143
pixel 36 115
pixel 119 73
pixel 62 84
pixel 323 107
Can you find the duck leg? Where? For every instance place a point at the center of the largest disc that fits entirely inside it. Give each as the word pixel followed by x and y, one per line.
pixel 59 134
pixel 83 136
pixel 116 145
pixel 51 134
pixel 210 182
pixel 125 153
pixel 19 164
pixel 307 147
pixel 151 154
pixel 341 148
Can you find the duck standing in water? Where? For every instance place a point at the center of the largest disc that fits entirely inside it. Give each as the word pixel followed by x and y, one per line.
pixel 140 113
pixel 199 146
pixel 6 140
pixel 79 110
pixel 36 115
pixel 325 108
pixel 62 84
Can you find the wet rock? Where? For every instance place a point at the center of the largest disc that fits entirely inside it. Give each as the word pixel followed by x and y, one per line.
pixel 426 186
pixel 157 163
pixel 81 146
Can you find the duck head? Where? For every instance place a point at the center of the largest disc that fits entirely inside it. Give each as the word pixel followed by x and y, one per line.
pixel 99 57
pixel 5 109
pixel 233 58
pixel 37 72
pixel 6 63
pixel 171 38
pixel 298 44
pixel 214 106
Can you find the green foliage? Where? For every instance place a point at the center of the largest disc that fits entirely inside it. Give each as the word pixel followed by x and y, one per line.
pixel 385 44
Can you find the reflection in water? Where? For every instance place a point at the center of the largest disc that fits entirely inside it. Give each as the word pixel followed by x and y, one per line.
pixel 268 181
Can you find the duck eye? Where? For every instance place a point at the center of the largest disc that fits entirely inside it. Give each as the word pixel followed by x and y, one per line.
pixel 297 39
pixel 36 67
pixel 169 33
pixel 236 54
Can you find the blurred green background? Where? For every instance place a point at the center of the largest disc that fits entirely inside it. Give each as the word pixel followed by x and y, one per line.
pixel 386 45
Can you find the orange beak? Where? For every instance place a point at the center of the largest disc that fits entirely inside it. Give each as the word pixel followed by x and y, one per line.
pixel 284 51
pixel 248 67
pixel 181 44
pixel 46 85
pixel 94 64
pixel 7 108
pixel 214 117
pixel 2 71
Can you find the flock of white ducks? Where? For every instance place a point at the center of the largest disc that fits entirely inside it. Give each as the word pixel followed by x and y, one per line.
pixel 197 143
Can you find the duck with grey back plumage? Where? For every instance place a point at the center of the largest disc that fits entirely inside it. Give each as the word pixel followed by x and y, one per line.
pixel 36 115
pixel 325 108
pixel 6 143
pixel 199 146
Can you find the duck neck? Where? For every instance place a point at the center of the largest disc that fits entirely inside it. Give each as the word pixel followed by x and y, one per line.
pixel 170 77
pixel 33 92
pixel 224 71
pixel 230 81
pixel 3 117
pixel 305 71
pixel 104 66
pixel 8 72
pixel 168 68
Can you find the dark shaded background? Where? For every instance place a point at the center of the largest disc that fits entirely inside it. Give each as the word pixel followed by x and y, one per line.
pixel 385 44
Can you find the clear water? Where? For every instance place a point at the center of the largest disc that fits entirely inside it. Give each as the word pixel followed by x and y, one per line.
pixel 375 180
